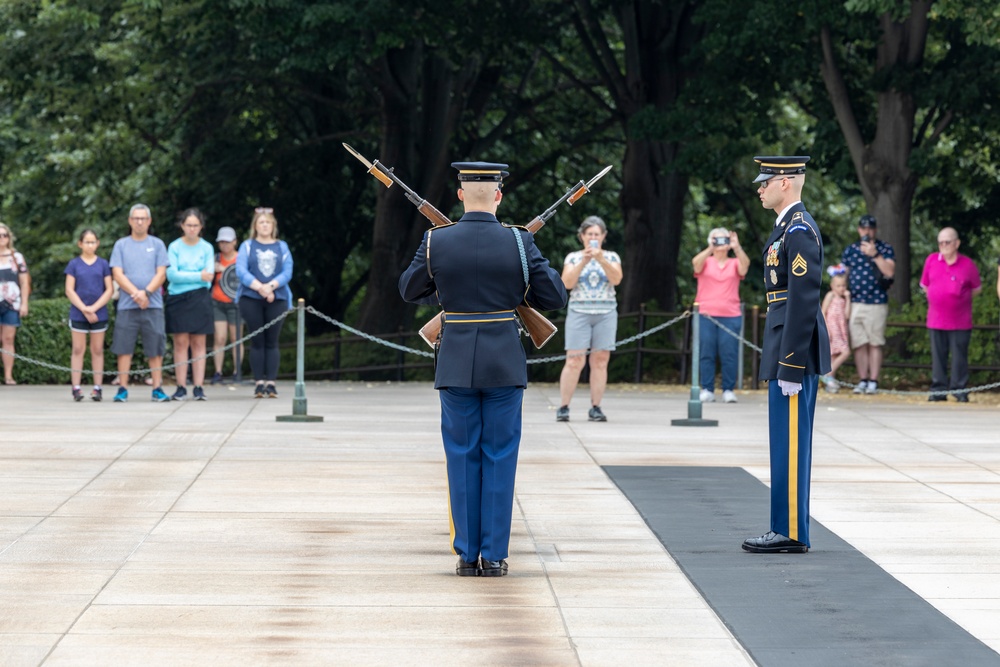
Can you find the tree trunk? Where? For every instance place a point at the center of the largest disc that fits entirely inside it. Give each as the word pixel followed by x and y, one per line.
pixel 653 205
pixel 658 39
pixel 882 165
pixel 419 118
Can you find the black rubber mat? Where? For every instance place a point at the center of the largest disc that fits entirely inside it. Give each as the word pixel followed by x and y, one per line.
pixel 831 606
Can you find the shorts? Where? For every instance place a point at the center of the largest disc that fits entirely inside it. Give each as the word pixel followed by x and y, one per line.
pixel 133 322
pixel 225 312
pixel 9 317
pixel 83 326
pixel 190 312
pixel 867 324
pixel 594 332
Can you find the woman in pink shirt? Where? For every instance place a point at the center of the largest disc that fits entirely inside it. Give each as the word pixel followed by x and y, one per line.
pixel 719 277
pixel 950 280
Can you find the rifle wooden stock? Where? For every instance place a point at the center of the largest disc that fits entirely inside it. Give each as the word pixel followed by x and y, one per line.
pixel 430 212
pixel 575 197
pixel 537 325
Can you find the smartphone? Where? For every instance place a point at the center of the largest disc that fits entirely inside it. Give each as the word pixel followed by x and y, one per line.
pixel 594 243
pixel 866 239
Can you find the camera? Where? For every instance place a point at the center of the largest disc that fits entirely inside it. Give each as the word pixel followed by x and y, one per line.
pixel 720 240
pixel 594 243
pixel 866 239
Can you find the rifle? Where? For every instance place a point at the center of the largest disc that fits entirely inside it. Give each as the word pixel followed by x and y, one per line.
pixel 537 325
pixel 539 328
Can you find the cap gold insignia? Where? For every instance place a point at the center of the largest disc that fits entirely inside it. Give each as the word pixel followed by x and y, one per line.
pixel 799 266
pixel 774 277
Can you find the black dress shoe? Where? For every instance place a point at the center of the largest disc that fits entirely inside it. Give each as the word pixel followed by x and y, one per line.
pixel 772 543
pixel 494 568
pixel 937 398
pixel 963 397
pixel 464 569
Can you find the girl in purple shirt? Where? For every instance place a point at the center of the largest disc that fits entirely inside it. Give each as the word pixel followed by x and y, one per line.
pixel 88 288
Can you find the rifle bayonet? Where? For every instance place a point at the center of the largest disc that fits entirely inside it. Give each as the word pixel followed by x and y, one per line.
pixel 572 195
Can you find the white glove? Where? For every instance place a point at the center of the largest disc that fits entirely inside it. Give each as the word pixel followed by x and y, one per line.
pixel 789 388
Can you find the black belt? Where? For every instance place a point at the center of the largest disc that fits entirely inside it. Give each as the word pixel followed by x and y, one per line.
pixel 476 318
pixel 777 295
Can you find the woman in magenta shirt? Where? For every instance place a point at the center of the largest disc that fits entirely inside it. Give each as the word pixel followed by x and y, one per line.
pixel 950 280
pixel 719 277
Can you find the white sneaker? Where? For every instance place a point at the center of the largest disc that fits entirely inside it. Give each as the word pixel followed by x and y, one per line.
pixel 832 385
pixel 860 388
pixel 729 396
pixel 872 387
pixel 707 396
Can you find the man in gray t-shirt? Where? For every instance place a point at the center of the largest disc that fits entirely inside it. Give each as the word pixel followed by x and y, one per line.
pixel 139 266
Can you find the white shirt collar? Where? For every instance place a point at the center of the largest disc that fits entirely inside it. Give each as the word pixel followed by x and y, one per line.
pixel 784 211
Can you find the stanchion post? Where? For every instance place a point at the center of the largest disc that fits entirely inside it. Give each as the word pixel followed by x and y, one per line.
pixel 694 403
pixel 299 403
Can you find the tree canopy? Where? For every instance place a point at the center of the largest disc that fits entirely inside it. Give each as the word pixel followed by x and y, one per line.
pixel 231 104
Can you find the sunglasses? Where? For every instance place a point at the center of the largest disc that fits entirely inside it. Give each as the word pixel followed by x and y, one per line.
pixel 263 210
pixel 4 235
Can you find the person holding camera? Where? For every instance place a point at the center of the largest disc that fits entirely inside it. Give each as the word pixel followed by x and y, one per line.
pixel 591 275
pixel 718 296
pixel 871 266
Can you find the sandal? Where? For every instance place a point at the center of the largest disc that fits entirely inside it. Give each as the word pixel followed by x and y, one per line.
pixel 9 383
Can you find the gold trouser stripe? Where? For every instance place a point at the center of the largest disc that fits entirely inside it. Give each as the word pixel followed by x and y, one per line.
pixel 451 517
pixel 793 467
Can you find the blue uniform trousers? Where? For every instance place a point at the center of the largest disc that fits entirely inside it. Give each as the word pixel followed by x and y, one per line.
pixel 481 429
pixel 791 426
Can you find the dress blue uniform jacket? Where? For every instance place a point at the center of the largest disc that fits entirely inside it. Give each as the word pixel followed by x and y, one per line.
pixel 796 342
pixel 796 349
pixel 475 267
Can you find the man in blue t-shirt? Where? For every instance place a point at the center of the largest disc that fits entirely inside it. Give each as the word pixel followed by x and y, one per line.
pixel 867 260
pixel 139 266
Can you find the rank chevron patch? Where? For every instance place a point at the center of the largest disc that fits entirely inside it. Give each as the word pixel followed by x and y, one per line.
pixel 799 266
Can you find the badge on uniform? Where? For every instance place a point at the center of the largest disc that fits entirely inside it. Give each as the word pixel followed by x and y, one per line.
pixel 772 254
pixel 774 277
pixel 799 266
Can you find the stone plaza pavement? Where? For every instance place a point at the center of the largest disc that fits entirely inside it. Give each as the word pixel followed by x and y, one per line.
pixel 212 534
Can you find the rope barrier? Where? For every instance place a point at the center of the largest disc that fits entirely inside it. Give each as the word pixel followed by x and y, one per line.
pixel 892 392
pixel 146 371
pixel 536 360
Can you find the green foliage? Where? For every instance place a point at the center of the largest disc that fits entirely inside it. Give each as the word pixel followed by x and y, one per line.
pixel 45 336
pixel 230 104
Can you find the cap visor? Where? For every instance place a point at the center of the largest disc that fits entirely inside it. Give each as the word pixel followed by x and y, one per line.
pixel 763 177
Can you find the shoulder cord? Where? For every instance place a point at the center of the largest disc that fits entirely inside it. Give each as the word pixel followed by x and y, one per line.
pixel 524 259
pixel 427 263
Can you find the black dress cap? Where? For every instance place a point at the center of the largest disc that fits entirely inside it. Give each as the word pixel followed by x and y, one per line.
pixel 480 171
pixel 780 165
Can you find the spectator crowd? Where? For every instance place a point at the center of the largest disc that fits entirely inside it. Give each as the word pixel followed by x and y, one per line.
pixel 186 290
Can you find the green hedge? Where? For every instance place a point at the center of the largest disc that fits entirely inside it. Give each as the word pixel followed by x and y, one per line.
pixel 44 336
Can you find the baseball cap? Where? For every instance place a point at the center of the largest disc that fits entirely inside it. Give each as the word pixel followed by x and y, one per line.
pixel 867 221
pixel 226 234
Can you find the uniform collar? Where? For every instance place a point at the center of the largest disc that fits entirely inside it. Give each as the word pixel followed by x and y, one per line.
pixel 785 211
pixel 478 216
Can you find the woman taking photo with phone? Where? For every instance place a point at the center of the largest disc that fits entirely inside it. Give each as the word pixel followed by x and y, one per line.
pixel 719 277
pixel 591 275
